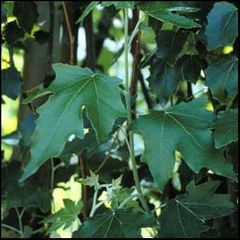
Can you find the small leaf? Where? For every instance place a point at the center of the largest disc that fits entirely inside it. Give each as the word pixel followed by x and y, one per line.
pixel 185 128
pixel 61 116
pixel 87 10
pixel 163 11
pixel 64 217
pixel 222 27
pixel 222 78
pixel 121 223
pixel 187 214
pixel 11 82
pixel 226 128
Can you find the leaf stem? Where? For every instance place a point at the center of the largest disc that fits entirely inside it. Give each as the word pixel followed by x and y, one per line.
pixel 129 121
pixel 11 228
pixel 94 203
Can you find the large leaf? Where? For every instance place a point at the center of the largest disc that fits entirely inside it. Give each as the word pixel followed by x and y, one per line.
pixel 60 117
pixel 64 217
pixel 222 27
pixel 226 128
pixel 185 216
pixel 121 223
pixel 222 78
pixel 169 45
pixel 11 82
pixel 185 128
pixel 163 11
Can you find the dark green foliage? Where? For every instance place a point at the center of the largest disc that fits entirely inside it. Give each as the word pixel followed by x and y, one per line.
pixel 74 164
pixel 115 224
pixel 11 82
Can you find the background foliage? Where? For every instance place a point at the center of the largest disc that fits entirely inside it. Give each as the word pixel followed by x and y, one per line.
pixel 67 137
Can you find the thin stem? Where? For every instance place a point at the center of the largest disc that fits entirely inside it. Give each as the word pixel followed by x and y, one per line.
pixel 70 33
pixel 129 122
pixel 94 203
pixel 126 200
pixel 11 228
pixel 106 157
pixel 84 210
pixel 53 169
pixel 19 216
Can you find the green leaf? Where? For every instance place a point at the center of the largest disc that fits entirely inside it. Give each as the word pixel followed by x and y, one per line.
pixel 11 82
pixel 64 217
pixel 163 11
pixel 185 128
pixel 26 14
pixel 187 214
pixel 164 79
pixel 222 78
pixel 222 27
pixel 121 223
pixel 118 4
pixel 226 128
pixel 87 10
pixel 170 44
pixel 61 115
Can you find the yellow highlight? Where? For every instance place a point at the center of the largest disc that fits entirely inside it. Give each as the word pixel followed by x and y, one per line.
pixel 209 107
pixel 227 49
pixel 73 192
pixel 9 122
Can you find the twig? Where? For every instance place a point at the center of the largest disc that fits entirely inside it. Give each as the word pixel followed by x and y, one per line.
pixel 70 33
pixel 107 156
pixel 84 211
